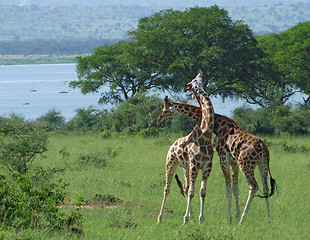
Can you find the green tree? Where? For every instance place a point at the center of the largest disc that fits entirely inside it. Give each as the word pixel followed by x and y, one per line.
pixel 137 113
pixel 179 44
pixel 168 49
pixel 53 120
pixel 85 119
pixel 289 51
pixel 20 143
pixel 112 70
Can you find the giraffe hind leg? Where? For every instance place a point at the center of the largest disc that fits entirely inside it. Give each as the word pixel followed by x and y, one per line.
pixel 235 173
pixel 264 176
pixel 226 173
pixel 253 188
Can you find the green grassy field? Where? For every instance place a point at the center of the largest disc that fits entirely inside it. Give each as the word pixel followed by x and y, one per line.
pixel 132 171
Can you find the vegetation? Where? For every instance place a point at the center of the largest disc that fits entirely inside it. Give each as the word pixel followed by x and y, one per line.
pixel 68 27
pixel 29 197
pixel 289 53
pixel 101 175
pixel 162 54
pixel 121 198
pixel 20 143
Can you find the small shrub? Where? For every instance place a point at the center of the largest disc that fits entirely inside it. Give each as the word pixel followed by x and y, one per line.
pixel 105 134
pixel 148 132
pixel 53 120
pixel 104 200
pixel 95 159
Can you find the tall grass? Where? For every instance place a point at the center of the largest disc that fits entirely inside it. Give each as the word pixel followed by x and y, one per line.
pixel 134 173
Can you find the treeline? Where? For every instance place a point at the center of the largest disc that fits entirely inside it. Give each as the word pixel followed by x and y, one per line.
pixel 62 47
pixel 138 115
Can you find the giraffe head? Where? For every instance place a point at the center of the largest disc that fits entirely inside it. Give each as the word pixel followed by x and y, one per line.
pixel 167 110
pixel 195 84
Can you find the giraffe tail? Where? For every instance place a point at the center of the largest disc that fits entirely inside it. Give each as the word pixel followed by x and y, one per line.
pixel 273 186
pixel 179 184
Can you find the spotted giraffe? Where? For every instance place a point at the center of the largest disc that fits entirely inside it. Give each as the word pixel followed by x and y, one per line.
pixel 193 152
pixel 236 148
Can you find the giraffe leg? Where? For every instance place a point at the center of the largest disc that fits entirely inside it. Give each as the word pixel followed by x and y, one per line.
pixel 205 175
pixel 235 173
pixel 186 187
pixel 263 169
pixel 190 194
pixel 170 170
pixel 253 187
pixel 226 173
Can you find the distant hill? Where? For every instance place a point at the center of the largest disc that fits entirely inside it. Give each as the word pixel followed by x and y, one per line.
pixel 176 4
pixel 95 21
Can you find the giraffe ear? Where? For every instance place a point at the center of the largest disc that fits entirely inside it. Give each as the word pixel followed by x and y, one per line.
pixel 193 96
pixel 166 99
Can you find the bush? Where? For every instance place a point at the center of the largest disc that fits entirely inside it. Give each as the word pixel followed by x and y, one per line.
pixel 52 120
pixel 32 201
pixel 20 143
pixel 95 159
pixel 283 120
pixel 148 132
pixel 292 121
pixel 105 134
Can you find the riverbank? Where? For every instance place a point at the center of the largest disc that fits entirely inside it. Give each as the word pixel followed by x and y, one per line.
pixel 36 59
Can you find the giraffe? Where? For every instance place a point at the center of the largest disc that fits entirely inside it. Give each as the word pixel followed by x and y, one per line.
pixel 193 152
pixel 236 149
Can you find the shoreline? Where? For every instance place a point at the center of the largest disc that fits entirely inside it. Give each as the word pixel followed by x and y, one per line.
pixel 36 59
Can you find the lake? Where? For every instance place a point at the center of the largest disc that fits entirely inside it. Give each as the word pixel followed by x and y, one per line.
pixel 33 90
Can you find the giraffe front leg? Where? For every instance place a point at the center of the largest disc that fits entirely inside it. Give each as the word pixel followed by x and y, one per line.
pixel 170 170
pixel 186 187
pixel 205 175
pixel 190 195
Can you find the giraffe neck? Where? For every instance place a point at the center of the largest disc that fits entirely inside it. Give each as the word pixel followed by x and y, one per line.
pixel 207 111
pixel 221 123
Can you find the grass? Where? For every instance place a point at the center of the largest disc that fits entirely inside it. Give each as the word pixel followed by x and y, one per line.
pixel 134 173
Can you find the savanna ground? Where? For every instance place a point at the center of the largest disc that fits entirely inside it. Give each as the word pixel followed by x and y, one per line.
pixel 120 182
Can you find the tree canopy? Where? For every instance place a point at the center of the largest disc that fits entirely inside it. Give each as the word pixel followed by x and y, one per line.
pixel 181 44
pixel 289 52
pixel 170 47
pixel 112 70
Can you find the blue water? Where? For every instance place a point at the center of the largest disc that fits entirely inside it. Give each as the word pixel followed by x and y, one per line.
pixel 33 90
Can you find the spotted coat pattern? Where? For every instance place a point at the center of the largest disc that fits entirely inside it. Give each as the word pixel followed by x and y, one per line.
pixel 236 149
pixel 192 153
